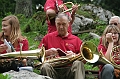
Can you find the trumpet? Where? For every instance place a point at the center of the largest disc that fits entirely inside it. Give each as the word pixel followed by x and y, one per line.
pixel 62 7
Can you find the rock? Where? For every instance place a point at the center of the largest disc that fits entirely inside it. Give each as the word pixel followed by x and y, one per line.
pixel 103 14
pixel 82 23
pixel 95 35
pixel 25 74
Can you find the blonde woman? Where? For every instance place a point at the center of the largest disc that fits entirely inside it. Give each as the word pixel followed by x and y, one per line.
pixel 11 33
pixel 110 38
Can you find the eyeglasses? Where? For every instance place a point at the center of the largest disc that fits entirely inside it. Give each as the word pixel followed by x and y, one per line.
pixel 115 33
pixel 114 24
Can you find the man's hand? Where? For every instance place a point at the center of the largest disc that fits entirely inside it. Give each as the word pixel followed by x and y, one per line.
pixel 74 9
pixel 70 53
pixel 50 14
pixel 51 52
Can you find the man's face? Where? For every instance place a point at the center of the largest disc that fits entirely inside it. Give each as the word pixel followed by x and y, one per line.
pixel 62 25
pixel 115 21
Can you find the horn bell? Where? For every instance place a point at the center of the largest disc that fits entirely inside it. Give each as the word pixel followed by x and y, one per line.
pixel 90 53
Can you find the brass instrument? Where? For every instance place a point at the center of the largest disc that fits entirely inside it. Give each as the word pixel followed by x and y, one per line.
pixel 63 9
pixel 62 61
pixel 35 54
pixel 115 55
pixel 95 57
pixel 88 52
pixel 8 60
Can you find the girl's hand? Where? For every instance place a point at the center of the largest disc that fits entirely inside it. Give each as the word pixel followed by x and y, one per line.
pixel 109 37
pixel 3 47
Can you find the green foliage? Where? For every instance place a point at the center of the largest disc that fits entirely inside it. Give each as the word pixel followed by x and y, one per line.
pixel 100 26
pixel 111 5
pixel 9 5
pixel 89 66
pixel 84 36
pixel 36 23
pixel 36 71
pixel 33 44
pixel 95 41
pixel 6 7
pixel 42 2
pixel 87 14
pixel 5 76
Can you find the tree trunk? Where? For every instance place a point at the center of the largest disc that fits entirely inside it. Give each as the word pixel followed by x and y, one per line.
pixel 24 7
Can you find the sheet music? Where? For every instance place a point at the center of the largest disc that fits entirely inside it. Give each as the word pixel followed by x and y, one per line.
pixel 61 52
pixel 9 47
pixel 12 48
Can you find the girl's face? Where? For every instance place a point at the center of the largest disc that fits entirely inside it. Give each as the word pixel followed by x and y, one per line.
pixel 115 36
pixel 6 28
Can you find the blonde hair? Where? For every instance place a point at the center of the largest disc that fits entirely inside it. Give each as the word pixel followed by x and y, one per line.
pixel 15 28
pixel 108 30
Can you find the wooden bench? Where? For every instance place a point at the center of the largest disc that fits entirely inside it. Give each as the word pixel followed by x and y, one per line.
pixel 91 74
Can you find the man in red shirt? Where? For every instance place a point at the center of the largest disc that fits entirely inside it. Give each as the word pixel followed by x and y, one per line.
pixel 51 8
pixel 70 44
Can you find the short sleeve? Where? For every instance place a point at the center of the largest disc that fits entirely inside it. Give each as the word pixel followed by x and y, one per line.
pixel 50 4
pixel 25 45
pixel 102 48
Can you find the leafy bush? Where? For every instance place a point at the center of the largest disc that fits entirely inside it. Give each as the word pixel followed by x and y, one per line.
pixel 7 6
pixel 5 76
pixel 36 23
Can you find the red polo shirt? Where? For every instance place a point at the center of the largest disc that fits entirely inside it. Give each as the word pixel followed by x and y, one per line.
pixel 24 47
pixel 68 43
pixel 51 4
pixel 101 47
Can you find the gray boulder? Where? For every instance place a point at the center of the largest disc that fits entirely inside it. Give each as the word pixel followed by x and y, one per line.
pixel 25 74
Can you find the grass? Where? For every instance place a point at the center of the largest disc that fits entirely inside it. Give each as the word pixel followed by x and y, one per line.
pixel 5 76
pixel 33 44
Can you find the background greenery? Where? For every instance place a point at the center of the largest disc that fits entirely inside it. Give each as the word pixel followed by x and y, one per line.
pixel 8 6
